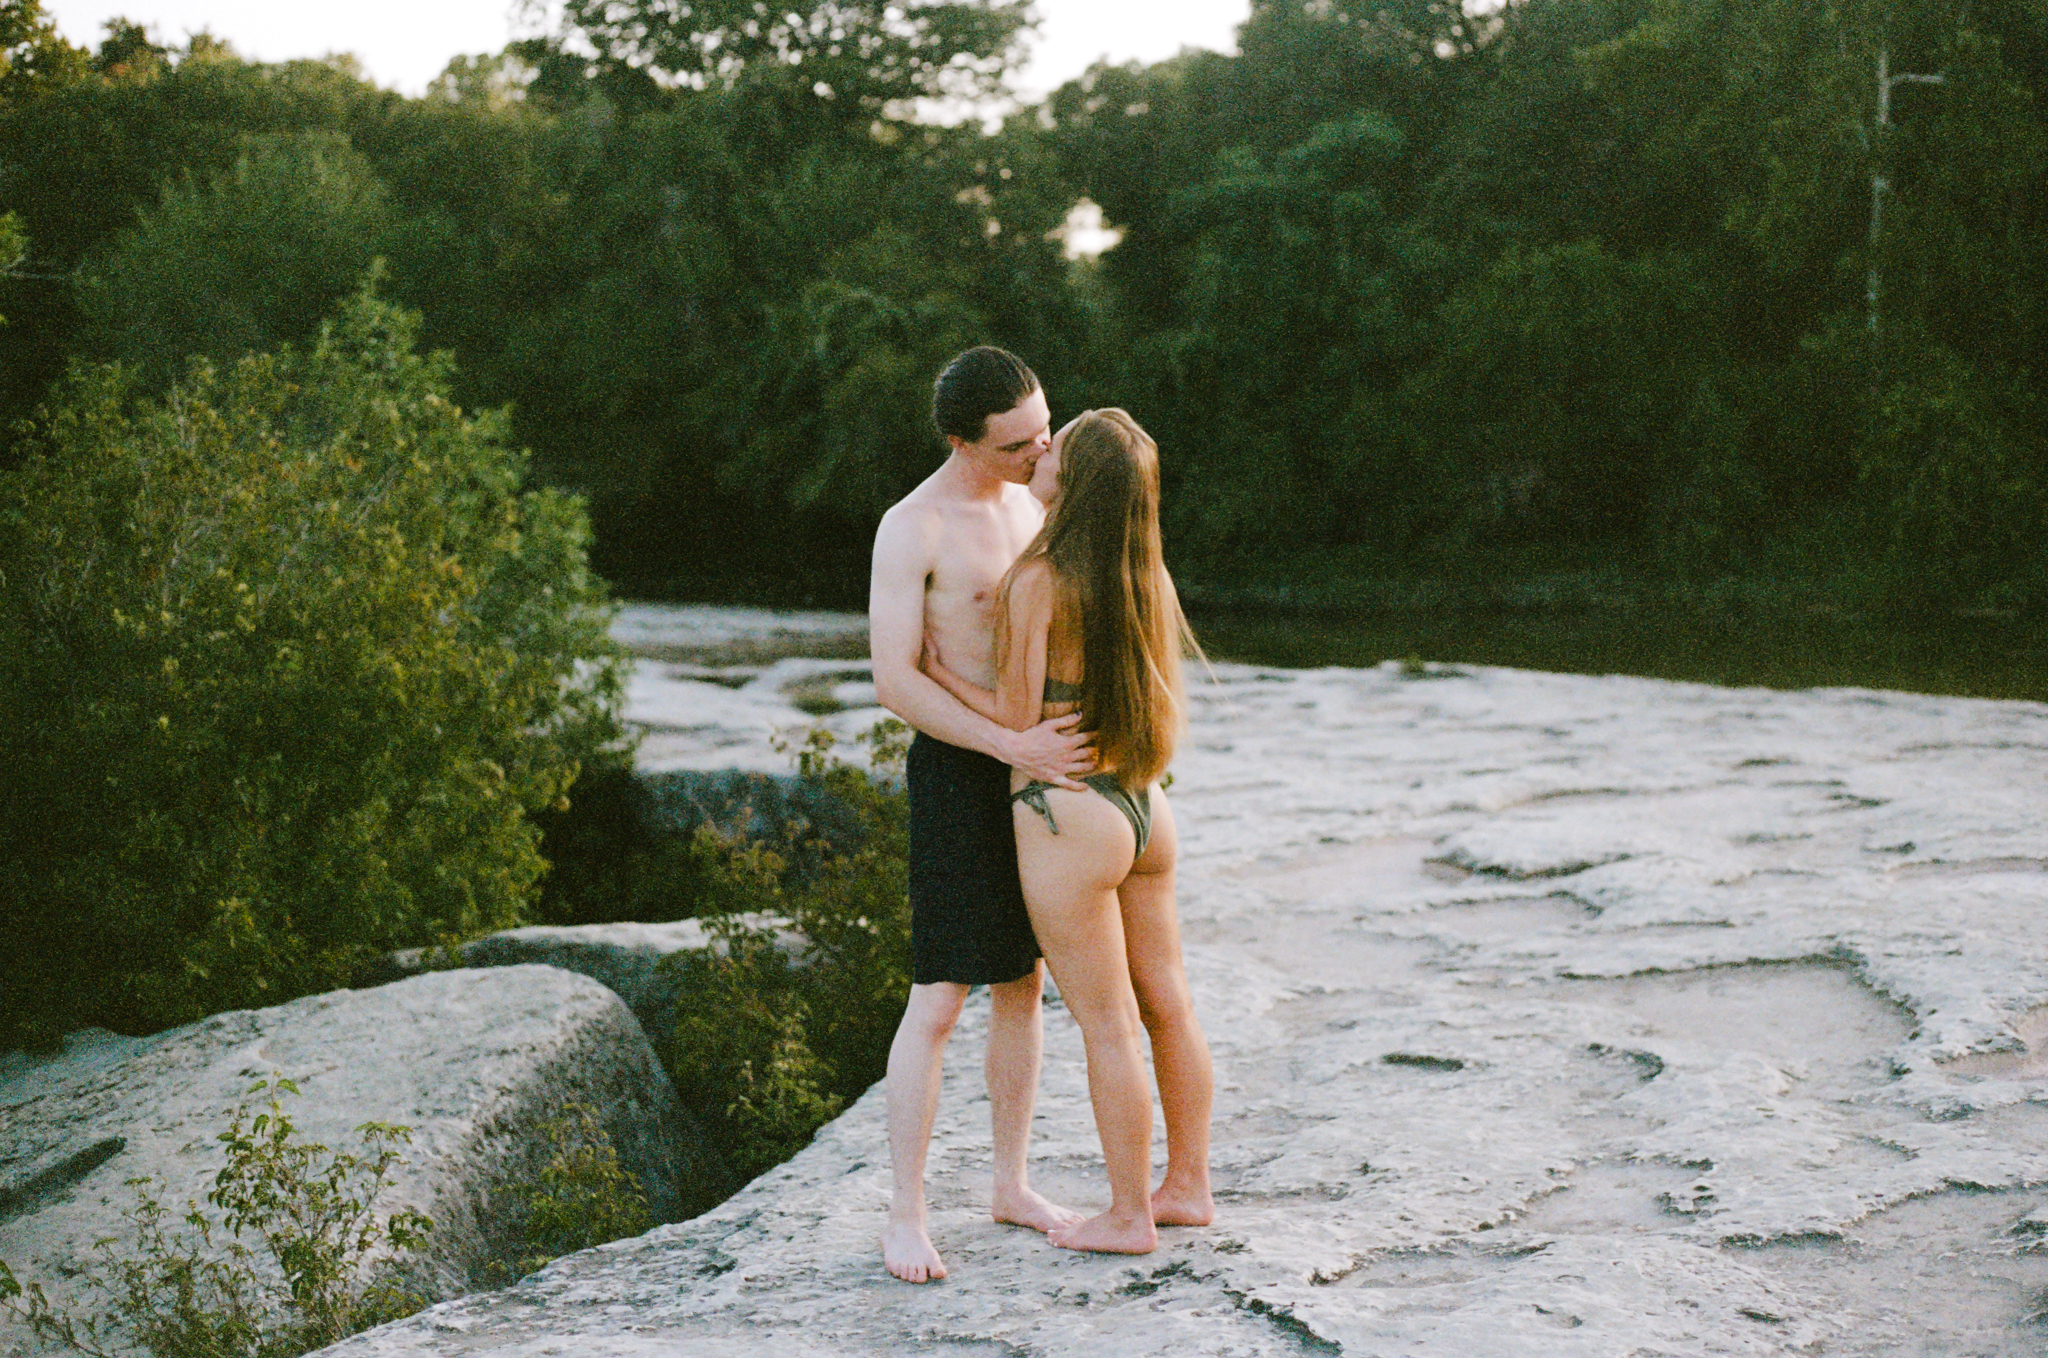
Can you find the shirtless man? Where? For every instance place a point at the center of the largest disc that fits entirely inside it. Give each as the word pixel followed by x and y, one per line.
pixel 939 555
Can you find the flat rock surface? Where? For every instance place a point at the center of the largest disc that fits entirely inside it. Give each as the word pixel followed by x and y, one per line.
pixel 1553 1016
pixel 475 1062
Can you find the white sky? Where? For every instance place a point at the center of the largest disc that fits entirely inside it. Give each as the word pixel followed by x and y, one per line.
pixel 406 43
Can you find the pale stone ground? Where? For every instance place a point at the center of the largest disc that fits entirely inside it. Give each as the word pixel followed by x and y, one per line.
pixel 1553 1016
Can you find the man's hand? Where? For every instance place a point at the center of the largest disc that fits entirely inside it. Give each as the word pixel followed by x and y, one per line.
pixel 1053 752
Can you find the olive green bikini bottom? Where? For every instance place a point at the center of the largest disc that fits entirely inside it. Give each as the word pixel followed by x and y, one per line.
pixel 1136 806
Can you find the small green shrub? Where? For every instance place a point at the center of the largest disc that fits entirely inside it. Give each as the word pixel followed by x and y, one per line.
pixel 582 1197
pixel 202 1292
pixel 288 660
pixel 767 1049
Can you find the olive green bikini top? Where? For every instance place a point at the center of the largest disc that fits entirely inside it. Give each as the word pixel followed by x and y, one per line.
pixel 1060 691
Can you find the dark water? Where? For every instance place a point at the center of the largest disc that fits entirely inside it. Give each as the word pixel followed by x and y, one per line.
pixel 1974 656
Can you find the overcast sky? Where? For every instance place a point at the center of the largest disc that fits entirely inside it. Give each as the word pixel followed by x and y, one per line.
pixel 406 43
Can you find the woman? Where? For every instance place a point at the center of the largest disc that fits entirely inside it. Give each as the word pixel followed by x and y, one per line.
pixel 1087 620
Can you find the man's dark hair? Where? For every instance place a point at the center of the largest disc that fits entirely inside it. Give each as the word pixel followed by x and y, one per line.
pixel 982 382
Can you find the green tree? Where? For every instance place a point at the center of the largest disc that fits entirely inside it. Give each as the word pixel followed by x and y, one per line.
pixel 860 54
pixel 1575 394
pixel 240 264
pixel 1301 304
pixel 289 659
pixel 1134 137
pixel 34 58
pixel 13 247
pixel 1902 256
pixel 90 154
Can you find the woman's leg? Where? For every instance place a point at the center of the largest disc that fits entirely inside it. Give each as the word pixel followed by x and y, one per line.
pixel 1070 886
pixel 1180 1054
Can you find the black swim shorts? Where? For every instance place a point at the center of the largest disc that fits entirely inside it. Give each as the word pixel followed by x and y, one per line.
pixel 967 918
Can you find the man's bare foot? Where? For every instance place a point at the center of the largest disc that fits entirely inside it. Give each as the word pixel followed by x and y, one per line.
pixel 1173 1205
pixel 1107 1234
pixel 1025 1207
pixel 908 1252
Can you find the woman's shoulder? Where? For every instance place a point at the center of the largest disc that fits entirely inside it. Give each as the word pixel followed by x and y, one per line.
pixel 1032 576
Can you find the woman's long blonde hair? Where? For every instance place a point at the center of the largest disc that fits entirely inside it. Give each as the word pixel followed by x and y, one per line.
pixel 1109 575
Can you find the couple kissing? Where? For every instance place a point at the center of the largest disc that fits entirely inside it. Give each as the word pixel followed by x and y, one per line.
pixel 1024 624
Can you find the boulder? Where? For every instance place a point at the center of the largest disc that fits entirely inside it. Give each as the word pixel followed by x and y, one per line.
pixel 475 1062
pixel 625 958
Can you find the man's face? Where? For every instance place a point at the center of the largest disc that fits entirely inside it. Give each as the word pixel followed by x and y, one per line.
pixel 1012 441
pixel 1045 477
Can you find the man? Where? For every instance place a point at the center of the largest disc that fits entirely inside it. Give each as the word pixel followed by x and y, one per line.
pixel 939 556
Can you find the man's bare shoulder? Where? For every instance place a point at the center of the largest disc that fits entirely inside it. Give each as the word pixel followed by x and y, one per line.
pixel 914 518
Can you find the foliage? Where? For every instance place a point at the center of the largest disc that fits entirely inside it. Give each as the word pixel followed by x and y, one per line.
pixel 329 1265
pixel 771 1046
pixel 857 53
pixel 714 258
pixel 1960 484
pixel 34 58
pixel 290 659
pixel 13 247
pixel 1297 309
pixel 581 1197
pixel 249 260
pixel 1570 388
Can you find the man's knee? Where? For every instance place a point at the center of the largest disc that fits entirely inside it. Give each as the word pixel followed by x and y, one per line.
pixel 1020 995
pixel 932 1012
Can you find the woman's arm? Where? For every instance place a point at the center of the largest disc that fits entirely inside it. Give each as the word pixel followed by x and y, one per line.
pixel 1016 700
pixel 1020 688
pixel 972 696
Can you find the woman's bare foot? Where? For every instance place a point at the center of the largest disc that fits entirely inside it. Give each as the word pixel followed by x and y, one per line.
pixel 1173 1205
pixel 908 1252
pixel 1108 1234
pixel 1026 1207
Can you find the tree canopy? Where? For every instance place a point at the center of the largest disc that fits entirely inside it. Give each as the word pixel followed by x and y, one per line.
pixel 1399 287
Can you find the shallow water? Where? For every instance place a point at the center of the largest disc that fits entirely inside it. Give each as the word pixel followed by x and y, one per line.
pixel 1978 657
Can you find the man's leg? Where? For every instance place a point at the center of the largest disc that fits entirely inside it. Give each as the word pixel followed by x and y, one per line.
pixel 1016 1035
pixel 913 1094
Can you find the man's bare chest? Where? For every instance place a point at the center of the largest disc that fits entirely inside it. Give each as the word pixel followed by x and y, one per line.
pixel 972 554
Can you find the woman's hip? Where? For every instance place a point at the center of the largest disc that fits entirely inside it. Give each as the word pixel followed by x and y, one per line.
pixel 1082 840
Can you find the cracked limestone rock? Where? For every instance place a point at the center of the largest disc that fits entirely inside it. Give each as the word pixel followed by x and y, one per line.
pixel 625 958
pixel 475 1062
pixel 1553 1016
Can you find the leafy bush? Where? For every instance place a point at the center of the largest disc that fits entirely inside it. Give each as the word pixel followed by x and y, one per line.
pixel 1576 395
pixel 1958 481
pixel 582 1197
pixel 242 261
pixel 617 853
pixel 768 1048
pixel 203 1293
pixel 13 245
pixel 288 660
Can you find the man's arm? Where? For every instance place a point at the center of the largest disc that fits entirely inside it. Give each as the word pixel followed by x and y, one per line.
pixel 1050 750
